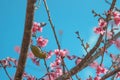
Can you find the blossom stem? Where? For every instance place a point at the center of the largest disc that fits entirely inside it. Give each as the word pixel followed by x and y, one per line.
pixel 5 70
pixel 47 68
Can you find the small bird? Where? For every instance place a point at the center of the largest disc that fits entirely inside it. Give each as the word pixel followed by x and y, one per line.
pixel 37 52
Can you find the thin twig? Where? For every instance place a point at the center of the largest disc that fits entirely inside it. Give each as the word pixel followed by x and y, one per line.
pixel 95 14
pixel 81 40
pixel 5 71
pixel 47 68
pixel 51 23
pixel 77 77
pixel 54 32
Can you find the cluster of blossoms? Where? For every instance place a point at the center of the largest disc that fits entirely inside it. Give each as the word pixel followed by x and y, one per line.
pixel 7 62
pixel 41 42
pixel 36 27
pixel 101 25
pixel 55 66
pixel 99 70
pixel 115 18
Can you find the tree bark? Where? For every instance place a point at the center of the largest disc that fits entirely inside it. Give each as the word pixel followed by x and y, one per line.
pixel 26 40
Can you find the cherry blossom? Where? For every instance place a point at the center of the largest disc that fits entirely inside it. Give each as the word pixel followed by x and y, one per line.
pixel 117 43
pixel 99 30
pixel 30 55
pixel 41 41
pixel 109 34
pixel 116 14
pixel 36 27
pixel 90 78
pixel 5 63
pixel 102 23
pixel 118 75
pixel 17 49
pixel 97 78
pixel 36 61
pixel 28 77
pixel 94 64
pixel 117 21
pixel 101 70
pixel 12 60
pixel 61 52
pixel 78 60
pixel 56 63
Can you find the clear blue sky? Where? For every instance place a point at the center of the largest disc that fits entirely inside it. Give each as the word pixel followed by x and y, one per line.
pixel 67 15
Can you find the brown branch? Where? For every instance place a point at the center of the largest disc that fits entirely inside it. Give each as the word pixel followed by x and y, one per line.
pixel 80 66
pixel 26 39
pixel 110 73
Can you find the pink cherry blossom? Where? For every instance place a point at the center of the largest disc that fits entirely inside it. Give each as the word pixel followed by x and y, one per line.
pixel 58 71
pixel 90 78
pixel 101 70
pixel 78 60
pixel 35 61
pixel 36 27
pixel 17 49
pixel 118 75
pixel 5 63
pixel 97 78
pixel 102 23
pixel 50 53
pixel 99 30
pixel 109 34
pixel 12 60
pixel 117 43
pixel 116 14
pixel 28 77
pixel 56 63
pixel 61 52
pixel 117 21
pixel 41 41
pixel 30 55
pixel 94 64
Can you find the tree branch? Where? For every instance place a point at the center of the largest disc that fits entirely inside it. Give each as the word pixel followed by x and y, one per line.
pixel 26 39
pixel 110 73
pixel 77 68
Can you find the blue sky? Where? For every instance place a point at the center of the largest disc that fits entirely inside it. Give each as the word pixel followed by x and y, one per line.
pixel 67 15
